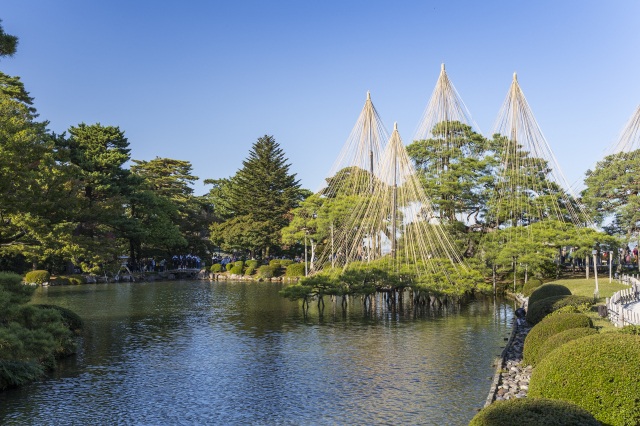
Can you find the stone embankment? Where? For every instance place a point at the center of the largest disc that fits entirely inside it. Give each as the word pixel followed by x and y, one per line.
pixel 511 379
pixel 514 376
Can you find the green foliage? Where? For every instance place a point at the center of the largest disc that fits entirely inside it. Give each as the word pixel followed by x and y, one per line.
pixel 228 266
pixel 548 327
pixel 540 309
pixel 71 320
pixel 630 329
pixel 18 373
pixel 612 192
pixel 285 262
pixel 252 263
pixel 239 263
pixel 249 270
pixel 168 184
pixel 8 43
pixel 236 269
pixel 559 339
pixel 13 290
pixel 297 291
pixel 600 373
pixel 533 412
pixel 455 168
pixel 73 279
pixel 267 271
pixel 548 290
pixel 275 263
pixel 31 336
pixel 531 285
pixel 216 267
pixel 260 197
pixel 295 270
pixel 37 277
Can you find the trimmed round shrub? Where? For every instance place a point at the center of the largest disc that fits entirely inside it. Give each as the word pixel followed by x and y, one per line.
pixel 239 263
pixel 285 262
pixel 548 290
pixel 267 271
pixel 540 309
pixel 252 264
pixel 75 279
pixel 548 327
pixel 557 340
pixel 59 281
pixel 531 285
pixel 228 266
pixel 533 412
pixel 250 270
pixel 275 262
pixel 236 270
pixel 295 270
pixel 37 277
pixel 630 329
pixel 600 373
pixel 216 267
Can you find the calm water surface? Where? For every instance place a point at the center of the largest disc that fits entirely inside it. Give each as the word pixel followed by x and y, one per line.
pixel 195 352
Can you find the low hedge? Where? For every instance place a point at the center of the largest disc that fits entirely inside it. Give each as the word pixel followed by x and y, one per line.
pixel 548 290
pixel 295 270
pixel 543 307
pixel 276 263
pixel 548 327
pixel 533 412
pixel 228 266
pixel 600 373
pixel 630 329
pixel 37 277
pixel 250 270
pixel 252 264
pixel 216 267
pixel 267 271
pixel 557 340
pixel 530 286
pixel 66 280
pixel 236 270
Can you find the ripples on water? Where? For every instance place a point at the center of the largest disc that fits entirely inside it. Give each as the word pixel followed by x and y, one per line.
pixel 237 353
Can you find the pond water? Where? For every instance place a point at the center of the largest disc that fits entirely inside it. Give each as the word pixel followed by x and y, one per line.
pixel 198 352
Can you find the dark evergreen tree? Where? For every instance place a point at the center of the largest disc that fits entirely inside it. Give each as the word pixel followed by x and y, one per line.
pixel 8 43
pixel 263 194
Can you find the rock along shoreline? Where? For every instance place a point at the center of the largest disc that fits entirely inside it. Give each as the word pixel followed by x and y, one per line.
pixel 511 378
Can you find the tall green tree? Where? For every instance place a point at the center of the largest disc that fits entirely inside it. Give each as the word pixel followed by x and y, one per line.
pixel 263 194
pixel 613 193
pixel 172 181
pixel 96 155
pixel 33 190
pixel 524 193
pixel 455 166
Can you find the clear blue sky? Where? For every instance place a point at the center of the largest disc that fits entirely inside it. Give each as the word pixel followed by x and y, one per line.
pixel 202 80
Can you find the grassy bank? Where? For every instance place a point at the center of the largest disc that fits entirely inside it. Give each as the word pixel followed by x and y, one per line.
pixel 586 287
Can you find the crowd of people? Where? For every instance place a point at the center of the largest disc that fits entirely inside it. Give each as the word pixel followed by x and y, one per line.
pixel 177 261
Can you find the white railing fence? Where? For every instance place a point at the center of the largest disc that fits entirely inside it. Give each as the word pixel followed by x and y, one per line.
pixel 616 304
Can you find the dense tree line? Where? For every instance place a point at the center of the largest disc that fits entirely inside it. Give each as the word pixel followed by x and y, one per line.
pixel 71 201
pixel 79 199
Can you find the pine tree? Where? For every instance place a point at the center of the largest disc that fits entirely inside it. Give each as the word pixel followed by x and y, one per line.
pixel 262 196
